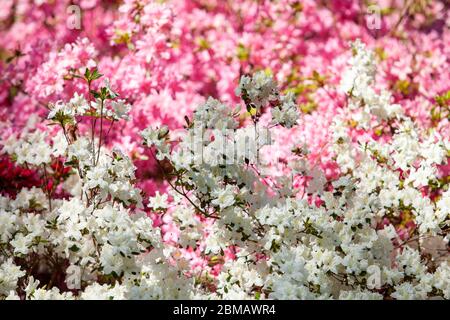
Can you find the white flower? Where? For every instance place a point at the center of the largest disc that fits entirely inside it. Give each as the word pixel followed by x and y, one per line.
pixel 214 114
pixel 121 109
pixel 258 89
pixel 103 292
pixel 421 176
pixel 107 85
pixel 361 73
pixel 9 275
pixel 359 295
pixel 158 201
pixel 97 177
pixel 406 291
pixel 33 149
pixel 61 111
pixel 287 114
pixel 78 104
pixel 154 136
pixel 21 243
pixel 81 150
pixel 441 278
pixel 111 261
pixel 59 145
pixel 8 225
pixel 224 197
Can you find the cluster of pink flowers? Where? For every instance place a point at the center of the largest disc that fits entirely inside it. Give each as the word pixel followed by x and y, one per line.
pixel 165 58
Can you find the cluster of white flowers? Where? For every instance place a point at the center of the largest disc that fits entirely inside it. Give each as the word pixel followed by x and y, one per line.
pixel 35 148
pixel 115 110
pixel 214 114
pixel 258 90
pixel 92 244
pixel 287 113
pixel 345 248
pixel 156 137
pixel 78 106
pixel 112 176
pixel 330 240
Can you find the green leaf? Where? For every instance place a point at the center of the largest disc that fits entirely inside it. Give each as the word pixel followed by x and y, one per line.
pixel 96 94
pixel 243 53
pixel 95 75
pixel 74 248
pixel 91 75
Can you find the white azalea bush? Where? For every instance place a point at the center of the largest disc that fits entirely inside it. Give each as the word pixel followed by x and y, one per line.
pixel 257 234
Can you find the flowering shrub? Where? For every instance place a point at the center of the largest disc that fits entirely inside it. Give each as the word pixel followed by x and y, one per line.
pixel 205 150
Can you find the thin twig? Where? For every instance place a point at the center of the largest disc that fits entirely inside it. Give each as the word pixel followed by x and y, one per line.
pixel 178 191
pixel 101 131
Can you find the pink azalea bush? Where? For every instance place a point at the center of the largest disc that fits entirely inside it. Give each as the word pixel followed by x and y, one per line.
pixel 224 149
